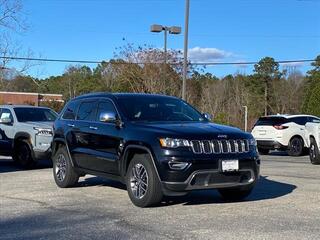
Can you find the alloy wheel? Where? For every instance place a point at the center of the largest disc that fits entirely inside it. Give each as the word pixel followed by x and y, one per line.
pixel 61 167
pixel 139 181
pixel 296 146
pixel 313 151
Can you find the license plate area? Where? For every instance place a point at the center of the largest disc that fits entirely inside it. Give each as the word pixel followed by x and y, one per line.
pixel 230 165
pixel 262 132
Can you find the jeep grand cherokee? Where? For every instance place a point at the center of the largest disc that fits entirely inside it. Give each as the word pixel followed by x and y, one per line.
pixel 157 145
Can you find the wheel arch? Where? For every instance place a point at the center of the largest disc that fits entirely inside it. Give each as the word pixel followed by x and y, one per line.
pixel 299 136
pixel 56 142
pixel 132 150
pixel 23 136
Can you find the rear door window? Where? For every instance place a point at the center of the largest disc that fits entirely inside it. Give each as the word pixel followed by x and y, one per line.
pixel 70 111
pixel 271 121
pixel 299 120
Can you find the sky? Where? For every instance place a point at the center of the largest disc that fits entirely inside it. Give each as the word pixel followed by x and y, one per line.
pixel 219 30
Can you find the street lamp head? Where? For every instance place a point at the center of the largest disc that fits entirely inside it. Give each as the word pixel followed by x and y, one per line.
pixel 156 28
pixel 175 30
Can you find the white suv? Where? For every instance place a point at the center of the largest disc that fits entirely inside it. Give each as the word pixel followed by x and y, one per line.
pixel 313 130
pixel 283 132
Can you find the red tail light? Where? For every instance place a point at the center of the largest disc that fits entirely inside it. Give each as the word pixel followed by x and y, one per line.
pixel 280 127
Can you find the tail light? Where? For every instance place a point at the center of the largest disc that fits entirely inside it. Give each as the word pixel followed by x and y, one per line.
pixel 280 127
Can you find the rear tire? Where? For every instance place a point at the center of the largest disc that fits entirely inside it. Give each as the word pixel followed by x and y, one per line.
pixel 236 193
pixel 63 171
pixel 143 184
pixel 263 151
pixel 22 155
pixel 314 152
pixel 296 147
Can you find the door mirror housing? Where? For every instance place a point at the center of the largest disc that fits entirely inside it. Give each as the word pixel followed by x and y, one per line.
pixel 6 121
pixel 208 116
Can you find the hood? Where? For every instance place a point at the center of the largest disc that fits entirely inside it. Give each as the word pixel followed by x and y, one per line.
pixel 39 124
pixel 197 130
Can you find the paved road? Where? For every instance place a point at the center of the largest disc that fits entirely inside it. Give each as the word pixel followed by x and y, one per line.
pixel 284 205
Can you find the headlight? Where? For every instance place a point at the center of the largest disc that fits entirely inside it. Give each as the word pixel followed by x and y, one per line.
pixel 43 131
pixel 173 142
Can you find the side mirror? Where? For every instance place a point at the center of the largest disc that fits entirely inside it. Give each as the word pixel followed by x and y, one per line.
pixel 5 121
pixel 208 116
pixel 108 117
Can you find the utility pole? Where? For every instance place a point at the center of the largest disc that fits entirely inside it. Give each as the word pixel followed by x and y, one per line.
pixel 245 118
pixel 165 44
pixel 185 51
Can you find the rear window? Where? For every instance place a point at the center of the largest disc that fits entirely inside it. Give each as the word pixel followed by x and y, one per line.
pixel 271 121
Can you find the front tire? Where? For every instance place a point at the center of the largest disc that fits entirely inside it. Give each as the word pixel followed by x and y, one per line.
pixel 314 152
pixel 296 147
pixel 63 171
pixel 23 155
pixel 143 184
pixel 236 193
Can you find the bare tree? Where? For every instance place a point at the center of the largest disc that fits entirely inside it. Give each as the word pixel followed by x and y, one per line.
pixel 11 16
pixel 12 21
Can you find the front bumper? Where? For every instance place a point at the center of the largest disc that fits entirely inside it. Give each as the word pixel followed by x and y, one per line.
pixel 210 176
pixel 207 179
pixel 270 145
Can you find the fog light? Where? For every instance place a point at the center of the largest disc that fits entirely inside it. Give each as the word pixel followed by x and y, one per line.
pixel 174 165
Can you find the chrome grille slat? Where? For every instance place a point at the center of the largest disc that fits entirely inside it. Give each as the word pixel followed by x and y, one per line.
pixel 220 146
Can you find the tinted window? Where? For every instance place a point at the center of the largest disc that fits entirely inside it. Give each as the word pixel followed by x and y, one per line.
pixel 105 106
pixel 156 108
pixel 314 120
pixel 299 120
pixel 6 113
pixel 30 114
pixel 87 111
pixel 270 121
pixel 70 111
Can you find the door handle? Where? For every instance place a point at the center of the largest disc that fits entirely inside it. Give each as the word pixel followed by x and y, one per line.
pixel 70 125
pixel 93 128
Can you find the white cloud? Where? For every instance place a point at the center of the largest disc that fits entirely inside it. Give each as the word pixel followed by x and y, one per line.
pixel 198 54
pixel 292 64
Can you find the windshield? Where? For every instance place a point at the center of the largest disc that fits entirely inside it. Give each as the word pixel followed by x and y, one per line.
pixel 156 108
pixel 29 114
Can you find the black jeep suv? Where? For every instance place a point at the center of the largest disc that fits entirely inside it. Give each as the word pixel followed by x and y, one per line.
pixel 157 145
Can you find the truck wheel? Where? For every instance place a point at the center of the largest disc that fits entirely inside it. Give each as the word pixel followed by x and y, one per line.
pixel 63 171
pixel 22 155
pixel 143 185
pixel 263 151
pixel 236 193
pixel 314 152
pixel 296 147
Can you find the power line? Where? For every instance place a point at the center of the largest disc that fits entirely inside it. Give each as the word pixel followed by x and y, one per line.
pixel 124 63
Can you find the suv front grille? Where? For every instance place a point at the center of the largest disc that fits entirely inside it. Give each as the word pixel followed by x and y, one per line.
pixel 220 146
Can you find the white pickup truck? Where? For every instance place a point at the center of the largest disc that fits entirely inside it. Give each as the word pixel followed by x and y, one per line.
pixel 313 131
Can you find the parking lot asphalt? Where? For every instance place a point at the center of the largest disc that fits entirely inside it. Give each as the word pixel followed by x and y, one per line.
pixel 284 205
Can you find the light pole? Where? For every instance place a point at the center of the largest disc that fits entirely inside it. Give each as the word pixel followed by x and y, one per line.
pixel 245 118
pixel 172 30
pixel 185 51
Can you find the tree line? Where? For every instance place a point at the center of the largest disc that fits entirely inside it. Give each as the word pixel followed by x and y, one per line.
pixel 142 69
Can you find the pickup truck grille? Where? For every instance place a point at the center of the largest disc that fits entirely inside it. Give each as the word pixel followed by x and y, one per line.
pixel 220 146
